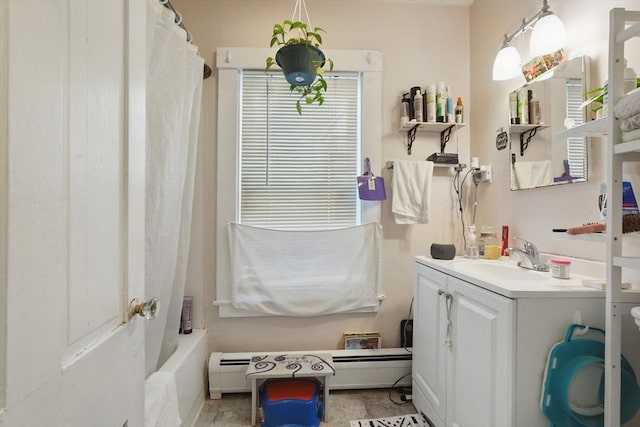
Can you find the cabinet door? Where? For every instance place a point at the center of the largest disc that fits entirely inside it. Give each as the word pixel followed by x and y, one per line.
pixel 429 351
pixel 480 366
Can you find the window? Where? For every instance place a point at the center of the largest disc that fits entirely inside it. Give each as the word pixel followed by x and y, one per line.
pixel 298 171
pixel 234 66
pixel 576 146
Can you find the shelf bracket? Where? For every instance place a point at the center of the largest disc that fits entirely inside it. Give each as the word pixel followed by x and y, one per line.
pixel 411 136
pixel 444 137
pixel 528 134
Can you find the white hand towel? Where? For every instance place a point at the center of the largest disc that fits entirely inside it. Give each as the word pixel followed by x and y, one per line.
pixel 411 191
pixel 533 174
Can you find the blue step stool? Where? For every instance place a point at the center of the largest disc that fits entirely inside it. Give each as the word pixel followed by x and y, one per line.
pixel 292 403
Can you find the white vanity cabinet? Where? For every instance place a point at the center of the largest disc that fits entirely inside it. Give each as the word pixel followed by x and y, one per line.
pixel 463 352
pixel 480 348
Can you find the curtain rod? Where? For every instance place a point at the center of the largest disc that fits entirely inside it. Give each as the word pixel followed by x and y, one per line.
pixel 178 20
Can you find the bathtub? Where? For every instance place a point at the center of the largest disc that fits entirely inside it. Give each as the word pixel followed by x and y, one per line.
pixel 189 366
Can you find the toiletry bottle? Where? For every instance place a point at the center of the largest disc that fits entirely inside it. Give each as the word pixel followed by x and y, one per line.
pixel 471 251
pixel 417 106
pixel 404 114
pixel 534 110
pixel 412 95
pixel 187 312
pixel 513 107
pixel 450 116
pixel 523 108
pixel 488 245
pixel 431 103
pixel 459 111
pixel 441 102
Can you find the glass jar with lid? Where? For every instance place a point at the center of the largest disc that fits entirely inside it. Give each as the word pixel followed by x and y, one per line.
pixel 488 243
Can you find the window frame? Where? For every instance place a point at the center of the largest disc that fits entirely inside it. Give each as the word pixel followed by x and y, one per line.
pixel 229 63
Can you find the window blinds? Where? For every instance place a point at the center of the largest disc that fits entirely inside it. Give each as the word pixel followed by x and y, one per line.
pixel 576 146
pixel 298 172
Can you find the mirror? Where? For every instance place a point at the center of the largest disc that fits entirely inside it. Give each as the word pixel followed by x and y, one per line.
pixel 547 105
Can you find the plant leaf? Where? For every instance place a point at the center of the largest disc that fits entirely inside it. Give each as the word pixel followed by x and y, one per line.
pixel 299 107
pixel 270 62
pixel 298 24
pixel 330 64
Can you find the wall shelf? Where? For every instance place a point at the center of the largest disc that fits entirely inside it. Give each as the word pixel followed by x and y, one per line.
pixel 597 237
pixel 526 128
pixel 598 127
pixel 445 130
pixel 526 132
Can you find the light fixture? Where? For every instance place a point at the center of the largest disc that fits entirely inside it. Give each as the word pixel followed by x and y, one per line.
pixel 548 36
pixel 507 63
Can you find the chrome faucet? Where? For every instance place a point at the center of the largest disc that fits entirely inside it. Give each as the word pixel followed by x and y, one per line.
pixel 529 256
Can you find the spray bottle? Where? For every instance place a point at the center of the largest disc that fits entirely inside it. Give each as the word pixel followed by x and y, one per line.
pixel 417 106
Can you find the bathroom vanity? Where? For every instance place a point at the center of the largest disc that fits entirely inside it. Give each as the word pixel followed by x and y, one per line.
pixel 482 333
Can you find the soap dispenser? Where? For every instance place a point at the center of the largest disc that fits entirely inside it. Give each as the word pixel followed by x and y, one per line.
pixel 471 251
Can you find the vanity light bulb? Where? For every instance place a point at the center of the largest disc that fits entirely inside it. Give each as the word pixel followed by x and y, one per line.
pixel 507 64
pixel 548 35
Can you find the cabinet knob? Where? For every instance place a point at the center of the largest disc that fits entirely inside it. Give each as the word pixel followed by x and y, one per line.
pixel 440 292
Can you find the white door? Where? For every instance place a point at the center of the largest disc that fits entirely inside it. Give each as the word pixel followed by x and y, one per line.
pixel 72 96
pixel 480 373
pixel 429 350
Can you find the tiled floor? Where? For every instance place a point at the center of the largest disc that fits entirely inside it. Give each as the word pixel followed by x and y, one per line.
pixel 234 410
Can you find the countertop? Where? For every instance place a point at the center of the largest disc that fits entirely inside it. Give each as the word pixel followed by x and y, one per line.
pixel 532 284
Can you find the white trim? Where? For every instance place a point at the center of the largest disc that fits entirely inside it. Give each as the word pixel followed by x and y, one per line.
pixel 229 60
pixel 4 189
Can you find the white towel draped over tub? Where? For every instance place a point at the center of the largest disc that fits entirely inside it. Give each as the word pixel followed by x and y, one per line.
pixel 305 273
pixel 411 191
pixel 161 401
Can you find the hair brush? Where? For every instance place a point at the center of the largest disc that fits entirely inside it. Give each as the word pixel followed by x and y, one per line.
pixel 630 224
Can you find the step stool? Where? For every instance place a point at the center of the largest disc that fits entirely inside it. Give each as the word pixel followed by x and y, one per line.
pixel 292 403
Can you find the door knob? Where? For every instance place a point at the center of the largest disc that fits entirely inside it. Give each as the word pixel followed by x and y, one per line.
pixel 147 309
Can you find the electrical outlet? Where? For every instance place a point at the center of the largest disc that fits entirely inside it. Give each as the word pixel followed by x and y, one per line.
pixel 484 174
pixel 488 174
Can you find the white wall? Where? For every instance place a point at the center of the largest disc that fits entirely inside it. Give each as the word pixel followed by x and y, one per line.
pixel 533 213
pixel 420 44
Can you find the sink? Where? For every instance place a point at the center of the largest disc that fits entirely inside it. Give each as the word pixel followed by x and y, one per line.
pixel 496 270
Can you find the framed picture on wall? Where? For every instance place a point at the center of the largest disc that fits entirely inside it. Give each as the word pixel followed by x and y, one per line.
pixel 362 341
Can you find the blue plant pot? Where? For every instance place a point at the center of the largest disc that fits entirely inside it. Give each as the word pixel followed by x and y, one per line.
pixel 299 63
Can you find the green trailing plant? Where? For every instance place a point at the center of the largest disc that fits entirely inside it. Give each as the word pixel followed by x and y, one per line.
pixel 296 32
pixel 596 96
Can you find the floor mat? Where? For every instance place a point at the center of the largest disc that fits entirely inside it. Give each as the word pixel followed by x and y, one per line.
pixel 413 420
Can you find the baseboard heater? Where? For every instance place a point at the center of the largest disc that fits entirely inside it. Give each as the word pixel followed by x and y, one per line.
pixel 355 369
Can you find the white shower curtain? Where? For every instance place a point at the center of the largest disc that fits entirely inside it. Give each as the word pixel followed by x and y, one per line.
pixel 174 91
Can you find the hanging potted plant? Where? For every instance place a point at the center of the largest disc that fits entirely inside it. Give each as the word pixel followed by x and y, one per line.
pixel 301 59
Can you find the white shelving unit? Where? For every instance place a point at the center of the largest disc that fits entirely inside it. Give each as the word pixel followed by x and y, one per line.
pixel 623 25
pixel 598 127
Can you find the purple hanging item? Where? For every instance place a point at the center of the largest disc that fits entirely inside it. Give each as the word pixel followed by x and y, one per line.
pixel 370 187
